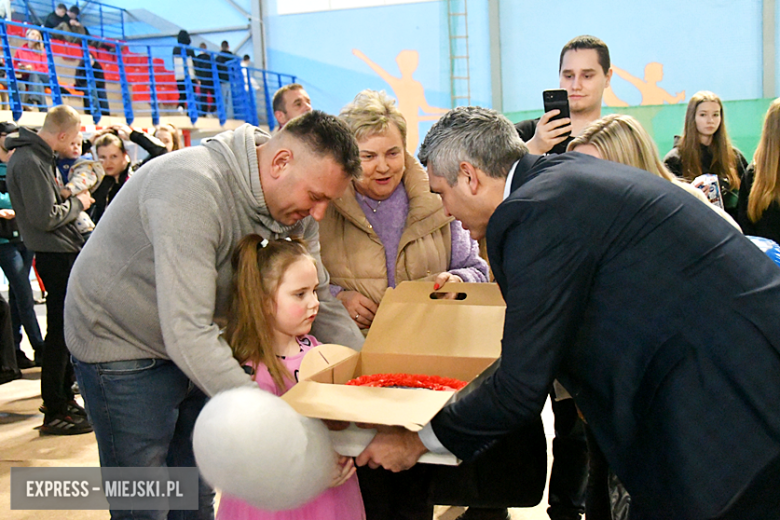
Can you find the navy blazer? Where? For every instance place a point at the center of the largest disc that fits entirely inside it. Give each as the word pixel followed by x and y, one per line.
pixel 659 317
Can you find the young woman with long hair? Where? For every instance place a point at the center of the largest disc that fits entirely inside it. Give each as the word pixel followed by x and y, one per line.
pixel 705 147
pixel 759 195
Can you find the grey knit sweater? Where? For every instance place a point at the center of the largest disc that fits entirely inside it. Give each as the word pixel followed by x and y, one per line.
pixel 153 280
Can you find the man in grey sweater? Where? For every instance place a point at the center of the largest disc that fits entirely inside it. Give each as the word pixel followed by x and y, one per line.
pixel 150 290
pixel 47 224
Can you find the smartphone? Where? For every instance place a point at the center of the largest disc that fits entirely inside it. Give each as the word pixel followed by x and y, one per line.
pixel 556 98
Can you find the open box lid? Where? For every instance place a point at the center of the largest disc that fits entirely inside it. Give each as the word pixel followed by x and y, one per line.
pixel 409 408
pixel 410 322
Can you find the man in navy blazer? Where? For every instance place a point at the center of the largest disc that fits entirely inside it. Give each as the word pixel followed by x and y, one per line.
pixel 660 319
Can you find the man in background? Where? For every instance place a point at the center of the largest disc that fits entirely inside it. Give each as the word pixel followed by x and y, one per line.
pixel 584 71
pixel 47 224
pixel 56 17
pixel 290 101
pixel 224 57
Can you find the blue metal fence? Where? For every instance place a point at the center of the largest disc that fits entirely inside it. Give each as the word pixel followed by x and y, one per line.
pixel 107 77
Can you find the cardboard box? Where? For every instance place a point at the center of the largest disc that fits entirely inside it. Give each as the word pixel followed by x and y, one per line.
pixel 412 333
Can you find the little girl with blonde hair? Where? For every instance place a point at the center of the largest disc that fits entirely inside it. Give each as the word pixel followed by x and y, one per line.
pixel 273 305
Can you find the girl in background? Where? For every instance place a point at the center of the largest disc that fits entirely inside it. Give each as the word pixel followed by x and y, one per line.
pixel 759 195
pixel 273 305
pixel 31 60
pixel 705 147
pixel 169 136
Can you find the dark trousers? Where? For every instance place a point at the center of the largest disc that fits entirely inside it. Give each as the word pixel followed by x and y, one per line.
pixel 182 92
pixel 16 262
pixel 207 97
pixel 56 370
pixel 396 496
pixel 7 349
pixel 569 475
pixel 102 101
pixel 598 506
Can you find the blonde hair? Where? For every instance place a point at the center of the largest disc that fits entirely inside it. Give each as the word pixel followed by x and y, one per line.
pixel 168 127
pixel 34 39
pixel 766 183
pixel 621 138
pixel 723 157
pixel 61 118
pixel 371 113
pixel 257 272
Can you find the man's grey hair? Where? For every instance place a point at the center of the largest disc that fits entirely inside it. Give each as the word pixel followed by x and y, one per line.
pixel 479 136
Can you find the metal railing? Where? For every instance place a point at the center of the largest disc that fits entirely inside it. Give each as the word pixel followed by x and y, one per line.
pixel 107 77
pixel 100 19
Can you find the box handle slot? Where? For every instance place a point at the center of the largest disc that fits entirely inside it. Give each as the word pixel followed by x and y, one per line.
pixel 441 295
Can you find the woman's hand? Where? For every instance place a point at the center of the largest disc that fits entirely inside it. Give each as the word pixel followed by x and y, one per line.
pixel 360 308
pixel 345 468
pixel 123 131
pixel 445 277
pixel 7 213
pixel 441 279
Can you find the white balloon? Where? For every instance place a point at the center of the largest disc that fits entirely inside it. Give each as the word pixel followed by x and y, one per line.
pixel 254 446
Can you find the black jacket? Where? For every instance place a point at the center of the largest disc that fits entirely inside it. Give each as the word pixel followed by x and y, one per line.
pixel 110 186
pixel 729 194
pixel 222 60
pixel 53 20
pixel 768 226
pixel 658 316
pixel 202 65
pixel 45 219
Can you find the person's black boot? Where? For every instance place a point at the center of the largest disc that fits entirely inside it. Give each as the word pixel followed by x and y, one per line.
pixel 22 361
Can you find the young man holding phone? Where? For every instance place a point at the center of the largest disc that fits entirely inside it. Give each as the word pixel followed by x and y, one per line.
pixel 584 72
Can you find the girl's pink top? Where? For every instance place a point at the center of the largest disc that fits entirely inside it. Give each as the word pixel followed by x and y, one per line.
pixel 339 503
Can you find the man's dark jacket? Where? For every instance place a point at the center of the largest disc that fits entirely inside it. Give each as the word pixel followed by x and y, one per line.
pixel 660 318
pixel 45 219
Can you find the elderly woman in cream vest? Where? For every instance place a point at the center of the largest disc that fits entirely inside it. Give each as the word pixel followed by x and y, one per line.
pixel 388 227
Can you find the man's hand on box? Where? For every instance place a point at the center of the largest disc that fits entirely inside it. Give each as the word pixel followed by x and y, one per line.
pixel 345 468
pixel 393 448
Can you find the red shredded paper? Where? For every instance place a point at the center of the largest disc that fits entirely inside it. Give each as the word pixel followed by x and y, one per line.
pixel 409 381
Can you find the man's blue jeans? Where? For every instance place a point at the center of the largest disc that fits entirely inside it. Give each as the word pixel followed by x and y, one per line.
pixel 16 261
pixel 143 412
